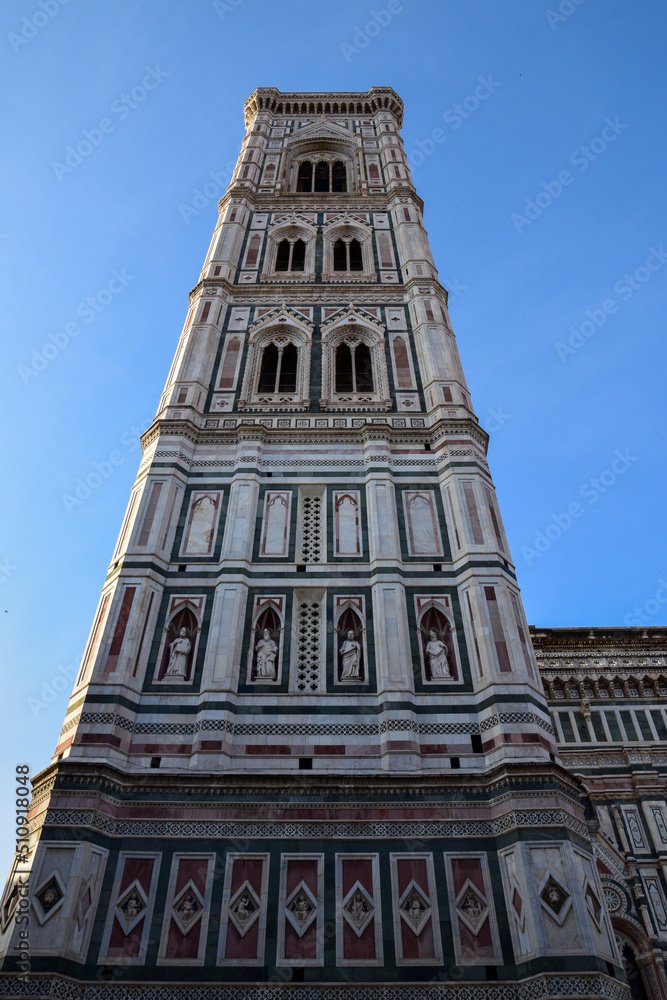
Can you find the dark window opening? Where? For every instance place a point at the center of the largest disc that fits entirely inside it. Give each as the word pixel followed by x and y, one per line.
pixel 278 370
pixel 344 377
pixel 305 763
pixel 322 176
pixel 476 741
pixel 269 369
pixel 182 569
pixel 347 256
pixel 338 177
pixel 356 263
pixel 455 763
pixel 491 972
pixel 282 257
pixel 155 761
pixel 287 381
pixel 305 177
pixel 298 256
pixel 291 256
pixel 354 368
pixel 339 256
pixel 363 368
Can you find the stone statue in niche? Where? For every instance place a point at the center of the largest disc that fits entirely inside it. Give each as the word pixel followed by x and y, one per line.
pixel 350 656
pixel 436 653
pixel 179 651
pixel 266 652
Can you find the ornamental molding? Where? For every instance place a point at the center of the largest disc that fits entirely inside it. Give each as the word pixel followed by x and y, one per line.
pixel 368 432
pixel 351 315
pixel 302 829
pixel 544 987
pixel 281 315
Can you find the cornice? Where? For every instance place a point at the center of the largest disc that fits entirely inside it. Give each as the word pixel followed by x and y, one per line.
pixel 502 781
pixel 314 436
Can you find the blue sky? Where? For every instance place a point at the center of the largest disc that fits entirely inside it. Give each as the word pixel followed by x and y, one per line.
pixel 556 278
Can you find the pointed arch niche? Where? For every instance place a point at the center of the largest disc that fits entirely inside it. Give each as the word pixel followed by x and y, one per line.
pixel 638 960
pixel 183 612
pixel 265 646
pixel 438 652
pixel 350 647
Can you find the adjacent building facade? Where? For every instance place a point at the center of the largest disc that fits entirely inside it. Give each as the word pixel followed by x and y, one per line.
pixel 309 745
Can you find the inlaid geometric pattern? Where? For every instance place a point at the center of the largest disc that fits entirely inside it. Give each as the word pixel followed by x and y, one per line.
pixel 538 988
pixel 311 530
pixel 308 647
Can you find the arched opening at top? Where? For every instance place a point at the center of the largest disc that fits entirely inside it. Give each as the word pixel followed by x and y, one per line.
pixel 305 176
pixel 347 256
pixel 291 256
pixel 322 176
pixel 338 177
pixel 282 256
pixel 354 368
pixel 278 369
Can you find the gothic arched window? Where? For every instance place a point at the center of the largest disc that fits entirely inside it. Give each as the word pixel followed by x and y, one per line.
pixel 322 177
pixel 291 256
pixel 305 176
pixel 338 176
pixel 278 369
pixel 354 368
pixel 347 256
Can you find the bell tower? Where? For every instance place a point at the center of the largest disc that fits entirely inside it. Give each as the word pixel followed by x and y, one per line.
pixel 308 743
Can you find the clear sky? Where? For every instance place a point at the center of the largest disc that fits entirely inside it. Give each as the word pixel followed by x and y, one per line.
pixel 544 200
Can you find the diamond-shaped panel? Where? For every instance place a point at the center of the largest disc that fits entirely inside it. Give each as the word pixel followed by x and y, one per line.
pixel 244 908
pixel 471 907
pixel 131 906
pixel 415 908
pixel 358 908
pixel 301 908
